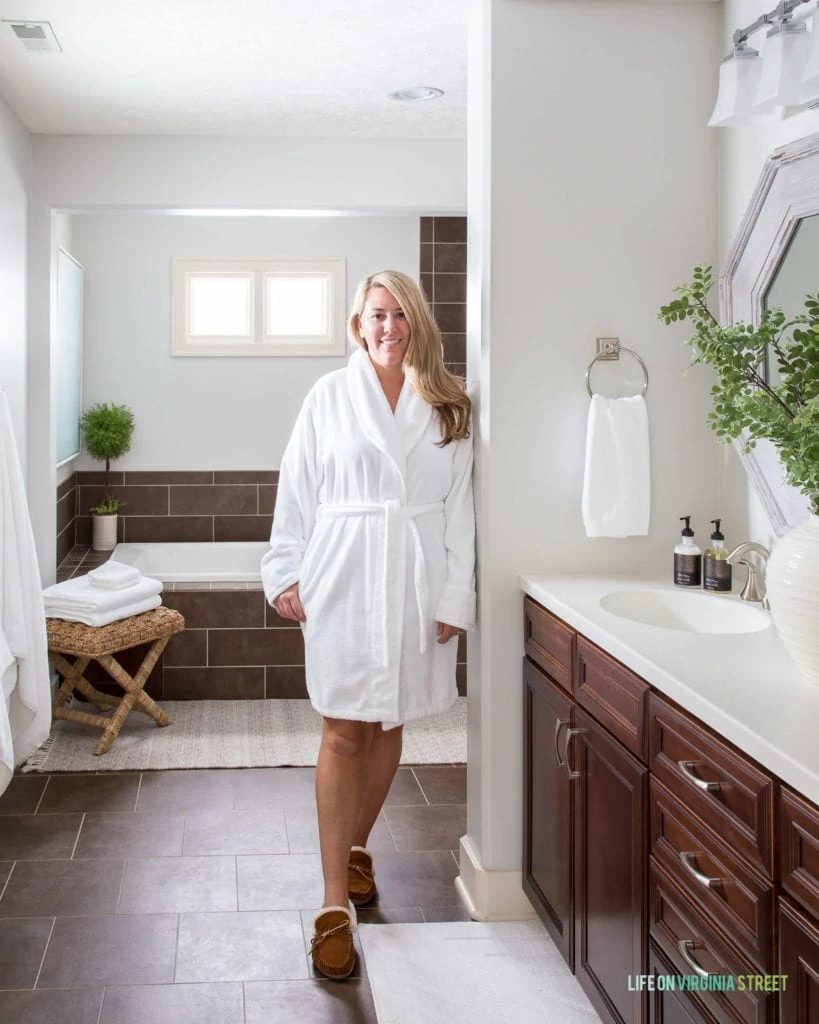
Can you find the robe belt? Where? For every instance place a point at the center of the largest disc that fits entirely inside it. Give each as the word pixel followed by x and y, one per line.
pixel 397 517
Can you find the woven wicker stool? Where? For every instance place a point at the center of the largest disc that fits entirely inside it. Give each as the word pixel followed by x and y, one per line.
pixel 101 643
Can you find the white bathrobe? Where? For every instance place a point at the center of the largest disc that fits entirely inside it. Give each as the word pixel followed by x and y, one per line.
pixel 376 524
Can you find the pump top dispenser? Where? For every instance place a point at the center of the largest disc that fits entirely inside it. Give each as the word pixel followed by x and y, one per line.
pixel 687 558
pixel 716 567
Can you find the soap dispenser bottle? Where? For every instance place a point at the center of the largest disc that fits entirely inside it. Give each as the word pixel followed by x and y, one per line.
pixel 716 567
pixel 687 558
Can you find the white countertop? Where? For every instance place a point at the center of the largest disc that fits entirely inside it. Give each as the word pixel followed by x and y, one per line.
pixel 743 685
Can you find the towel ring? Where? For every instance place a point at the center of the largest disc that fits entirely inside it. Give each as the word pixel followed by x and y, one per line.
pixel 606 353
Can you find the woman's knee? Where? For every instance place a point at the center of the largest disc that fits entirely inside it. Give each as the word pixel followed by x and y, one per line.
pixel 346 738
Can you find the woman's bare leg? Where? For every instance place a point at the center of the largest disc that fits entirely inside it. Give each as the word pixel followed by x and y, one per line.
pixel 340 780
pixel 382 764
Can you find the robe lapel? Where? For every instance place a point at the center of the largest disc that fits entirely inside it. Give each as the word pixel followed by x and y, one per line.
pixel 373 411
pixel 412 416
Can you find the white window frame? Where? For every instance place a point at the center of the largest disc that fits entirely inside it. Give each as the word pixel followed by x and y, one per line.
pixel 332 342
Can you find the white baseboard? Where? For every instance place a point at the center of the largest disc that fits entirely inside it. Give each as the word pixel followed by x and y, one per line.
pixel 490 895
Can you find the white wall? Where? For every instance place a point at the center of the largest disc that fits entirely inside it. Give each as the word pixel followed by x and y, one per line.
pixel 87 174
pixel 743 152
pixel 593 189
pixel 15 178
pixel 207 413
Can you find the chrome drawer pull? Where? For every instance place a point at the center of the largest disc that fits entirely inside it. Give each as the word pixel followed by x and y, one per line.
pixel 709 883
pixel 684 945
pixel 561 762
pixel 707 787
pixel 570 771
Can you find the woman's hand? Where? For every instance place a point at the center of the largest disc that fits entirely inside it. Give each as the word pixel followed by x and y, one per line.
pixel 446 632
pixel 288 604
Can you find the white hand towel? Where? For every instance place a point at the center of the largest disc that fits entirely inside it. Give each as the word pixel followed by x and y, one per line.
pixel 102 618
pixel 114 575
pixel 617 480
pixel 81 595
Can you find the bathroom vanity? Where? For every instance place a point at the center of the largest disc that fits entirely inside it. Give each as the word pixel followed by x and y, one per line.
pixel 671 802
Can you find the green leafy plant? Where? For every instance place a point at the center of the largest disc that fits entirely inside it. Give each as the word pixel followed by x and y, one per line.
pixel 747 404
pixel 107 431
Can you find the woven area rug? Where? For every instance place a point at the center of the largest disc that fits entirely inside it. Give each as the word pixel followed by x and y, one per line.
pixel 232 734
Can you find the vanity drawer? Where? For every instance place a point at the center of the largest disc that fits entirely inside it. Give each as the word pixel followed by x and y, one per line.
pixel 549 642
pixel 799 848
pixel 613 694
pixel 717 782
pixel 736 898
pixel 697 951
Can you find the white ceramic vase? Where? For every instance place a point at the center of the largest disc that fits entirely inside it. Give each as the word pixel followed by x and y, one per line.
pixel 103 532
pixel 792 577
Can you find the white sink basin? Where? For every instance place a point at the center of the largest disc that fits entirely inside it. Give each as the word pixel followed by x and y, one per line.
pixel 694 612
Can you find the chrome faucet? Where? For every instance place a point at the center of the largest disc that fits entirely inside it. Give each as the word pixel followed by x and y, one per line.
pixel 753 589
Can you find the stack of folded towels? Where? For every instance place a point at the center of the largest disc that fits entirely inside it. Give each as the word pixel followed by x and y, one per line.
pixel 113 591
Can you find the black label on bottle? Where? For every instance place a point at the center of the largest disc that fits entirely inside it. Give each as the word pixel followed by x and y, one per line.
pixel 688 570
pixel 717 574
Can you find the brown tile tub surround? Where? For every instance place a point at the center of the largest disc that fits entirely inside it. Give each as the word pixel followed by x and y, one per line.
pixel 66 517
pixel 188 896
pixel 235 646
pixel 194 505
pixel 443 278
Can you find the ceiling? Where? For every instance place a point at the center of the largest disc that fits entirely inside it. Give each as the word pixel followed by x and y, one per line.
pixel 293 68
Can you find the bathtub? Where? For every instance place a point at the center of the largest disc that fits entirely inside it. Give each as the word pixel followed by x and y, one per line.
pixel 190 562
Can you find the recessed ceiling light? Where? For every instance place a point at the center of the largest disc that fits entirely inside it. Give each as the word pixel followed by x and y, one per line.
pixel 417 92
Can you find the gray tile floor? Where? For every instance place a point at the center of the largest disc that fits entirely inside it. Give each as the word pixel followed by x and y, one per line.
pixel 188 896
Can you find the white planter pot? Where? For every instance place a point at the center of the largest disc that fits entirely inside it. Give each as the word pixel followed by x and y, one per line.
pixel 104 532
pixel 793 591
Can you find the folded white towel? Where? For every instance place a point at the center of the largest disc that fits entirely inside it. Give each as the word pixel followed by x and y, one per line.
pixel 102 618
pixel 617 480
pixel 114 575
pixel 80 595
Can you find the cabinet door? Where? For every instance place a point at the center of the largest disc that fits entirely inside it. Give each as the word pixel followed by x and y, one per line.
pixel 799 963
pixel 667 1004
pixel 611 871
pixel 547 807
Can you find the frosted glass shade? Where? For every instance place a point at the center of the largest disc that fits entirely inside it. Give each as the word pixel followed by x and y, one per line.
pixel 738 81
pixel 783 60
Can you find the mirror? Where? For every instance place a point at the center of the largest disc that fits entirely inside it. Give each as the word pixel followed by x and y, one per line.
pixel 770 265
pixel 796 277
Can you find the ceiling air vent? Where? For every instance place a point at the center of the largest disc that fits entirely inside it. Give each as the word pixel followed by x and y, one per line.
pixel 36 35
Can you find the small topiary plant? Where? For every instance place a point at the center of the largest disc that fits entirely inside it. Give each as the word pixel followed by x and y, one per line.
pixel 107 431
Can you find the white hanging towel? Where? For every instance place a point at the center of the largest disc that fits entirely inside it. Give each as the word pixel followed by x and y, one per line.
pixel 24 671
pixel 617 480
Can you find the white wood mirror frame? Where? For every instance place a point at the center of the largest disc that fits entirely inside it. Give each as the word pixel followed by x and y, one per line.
pixel 787 191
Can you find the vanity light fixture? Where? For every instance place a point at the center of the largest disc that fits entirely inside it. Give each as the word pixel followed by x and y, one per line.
pixel 416 93
pixel 786 75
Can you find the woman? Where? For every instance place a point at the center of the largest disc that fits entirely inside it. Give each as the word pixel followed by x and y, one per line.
pixel 373 552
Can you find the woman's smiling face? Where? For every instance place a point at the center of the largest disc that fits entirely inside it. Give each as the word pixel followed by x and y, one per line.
pixel 384 328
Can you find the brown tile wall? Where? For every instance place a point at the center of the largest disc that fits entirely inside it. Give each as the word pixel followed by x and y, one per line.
pixel 443 278
pixel 66 517
pixel 234 647
pixel 188 506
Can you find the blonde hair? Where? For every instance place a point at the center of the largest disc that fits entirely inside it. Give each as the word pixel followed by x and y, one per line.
pixel 425 352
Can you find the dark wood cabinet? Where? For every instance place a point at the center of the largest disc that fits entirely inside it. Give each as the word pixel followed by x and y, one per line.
pixel 548 808
pixel 654 847
pixel 610 871
pixel 799 965
pixel 585 801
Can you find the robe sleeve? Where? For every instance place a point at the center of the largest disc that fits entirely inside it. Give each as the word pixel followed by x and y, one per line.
pixel 297 499
pixel 456 606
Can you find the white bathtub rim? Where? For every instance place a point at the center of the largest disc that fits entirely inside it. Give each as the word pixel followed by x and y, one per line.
pixel 195 561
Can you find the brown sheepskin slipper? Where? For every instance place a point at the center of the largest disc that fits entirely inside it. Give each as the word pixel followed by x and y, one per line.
pixel 332 947
pixel 360 876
